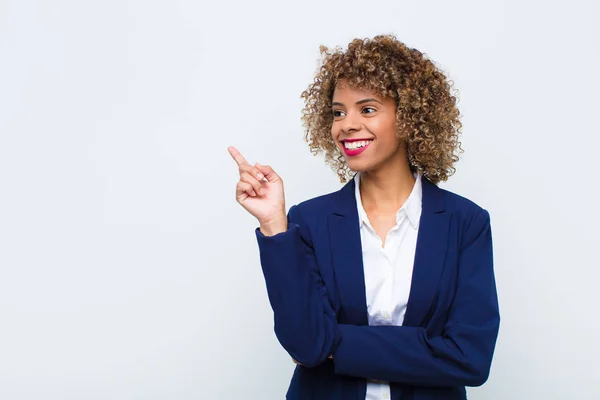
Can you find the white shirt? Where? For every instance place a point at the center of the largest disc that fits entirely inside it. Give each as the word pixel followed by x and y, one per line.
pixel 388 270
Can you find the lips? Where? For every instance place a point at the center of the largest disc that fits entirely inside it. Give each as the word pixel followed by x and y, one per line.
pixel 355 152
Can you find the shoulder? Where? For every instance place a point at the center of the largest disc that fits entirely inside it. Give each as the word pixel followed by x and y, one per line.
pixel 472 217
pixel 458 203
pixel 310 215
pixel 314 209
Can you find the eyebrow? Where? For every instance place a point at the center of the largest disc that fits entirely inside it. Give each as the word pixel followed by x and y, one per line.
pixel 358 102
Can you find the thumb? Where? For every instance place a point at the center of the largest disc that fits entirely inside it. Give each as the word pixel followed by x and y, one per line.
pixel 268 172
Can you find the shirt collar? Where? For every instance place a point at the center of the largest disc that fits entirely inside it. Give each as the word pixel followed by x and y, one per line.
pixel 411 207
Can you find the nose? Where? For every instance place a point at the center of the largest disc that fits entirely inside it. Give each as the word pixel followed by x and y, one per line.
pixel 350 123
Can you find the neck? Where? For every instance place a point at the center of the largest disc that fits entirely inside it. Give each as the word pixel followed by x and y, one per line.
pixel 387 188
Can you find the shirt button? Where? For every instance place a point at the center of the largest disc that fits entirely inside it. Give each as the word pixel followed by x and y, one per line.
pixel 386 315
pixel 386 396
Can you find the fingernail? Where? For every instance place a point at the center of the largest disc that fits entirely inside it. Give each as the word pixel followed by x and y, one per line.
pixel 260 176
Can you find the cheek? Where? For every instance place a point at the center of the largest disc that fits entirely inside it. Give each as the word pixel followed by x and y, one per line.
pixel 384 130
pixel 335 132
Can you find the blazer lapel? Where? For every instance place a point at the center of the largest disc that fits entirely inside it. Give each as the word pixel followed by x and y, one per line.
pixel 432 242
pixel 346 250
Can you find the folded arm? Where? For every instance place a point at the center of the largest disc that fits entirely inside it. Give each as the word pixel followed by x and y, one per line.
pixel 462 355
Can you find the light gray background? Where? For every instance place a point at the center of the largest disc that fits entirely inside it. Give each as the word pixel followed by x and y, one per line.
pixel 128 270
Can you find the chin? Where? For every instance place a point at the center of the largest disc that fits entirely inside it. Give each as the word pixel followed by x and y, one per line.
pixel 359 166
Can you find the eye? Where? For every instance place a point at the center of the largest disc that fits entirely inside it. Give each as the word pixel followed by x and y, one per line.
pixel 372 110
pixel 337 113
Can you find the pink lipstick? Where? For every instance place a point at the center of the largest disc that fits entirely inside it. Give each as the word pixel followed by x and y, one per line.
pixel 355 152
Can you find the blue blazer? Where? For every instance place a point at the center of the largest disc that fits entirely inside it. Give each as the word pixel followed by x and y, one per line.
pixel 315 284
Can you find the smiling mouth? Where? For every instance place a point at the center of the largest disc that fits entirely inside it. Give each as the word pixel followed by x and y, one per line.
pixel 356 144
pixel 355 148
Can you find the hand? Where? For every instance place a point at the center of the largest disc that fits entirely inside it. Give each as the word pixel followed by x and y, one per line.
pixel 259 190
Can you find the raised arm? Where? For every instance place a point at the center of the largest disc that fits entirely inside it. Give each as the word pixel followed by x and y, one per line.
pixel 305 322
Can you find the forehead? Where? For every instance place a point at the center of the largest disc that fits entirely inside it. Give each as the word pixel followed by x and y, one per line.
pixel 343 89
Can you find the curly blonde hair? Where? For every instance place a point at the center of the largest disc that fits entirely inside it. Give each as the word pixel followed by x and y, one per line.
pixel 426 114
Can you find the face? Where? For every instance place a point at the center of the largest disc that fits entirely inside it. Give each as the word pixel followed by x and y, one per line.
pixel 364 127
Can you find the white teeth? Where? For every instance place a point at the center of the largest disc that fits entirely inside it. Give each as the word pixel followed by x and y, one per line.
pixel 356 145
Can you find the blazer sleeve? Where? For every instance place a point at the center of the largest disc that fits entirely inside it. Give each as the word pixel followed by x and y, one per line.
pixel 462 355
pixel 305 322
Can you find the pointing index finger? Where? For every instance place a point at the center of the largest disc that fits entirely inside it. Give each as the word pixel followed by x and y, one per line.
pixel 236 155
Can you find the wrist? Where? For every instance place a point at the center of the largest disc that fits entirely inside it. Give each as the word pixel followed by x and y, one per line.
pixel 274 225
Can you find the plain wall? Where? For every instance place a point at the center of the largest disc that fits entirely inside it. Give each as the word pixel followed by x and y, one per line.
pixel 129 271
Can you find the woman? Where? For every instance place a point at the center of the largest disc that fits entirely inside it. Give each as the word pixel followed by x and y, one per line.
pixel 384 289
